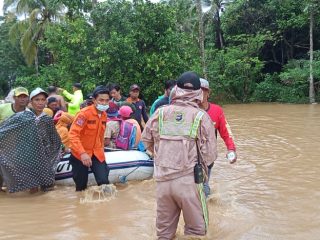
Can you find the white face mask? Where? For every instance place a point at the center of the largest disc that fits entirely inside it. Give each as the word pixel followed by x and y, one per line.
pixel 102 108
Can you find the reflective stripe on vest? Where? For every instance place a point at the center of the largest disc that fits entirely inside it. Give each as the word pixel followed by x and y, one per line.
pixel 193 130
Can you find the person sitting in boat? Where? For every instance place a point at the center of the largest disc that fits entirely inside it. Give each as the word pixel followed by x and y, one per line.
pixel 63 125
pixel 126 114
pixel 113 126
pixel 86 137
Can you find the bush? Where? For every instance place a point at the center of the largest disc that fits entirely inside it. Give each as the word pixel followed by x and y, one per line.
pixel 268 90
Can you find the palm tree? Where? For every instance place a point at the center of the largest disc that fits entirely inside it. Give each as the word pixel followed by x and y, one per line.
pixel 38 15
pixel 201 38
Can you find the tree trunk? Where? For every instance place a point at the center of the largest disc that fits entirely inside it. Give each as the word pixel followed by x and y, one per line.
pixel 219 33
pixel 201 40
pixel 311 80
pixel 36 62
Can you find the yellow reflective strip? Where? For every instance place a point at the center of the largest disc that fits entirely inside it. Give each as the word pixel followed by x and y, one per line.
pixel 204 207
pixel 195 125
pixel 160 120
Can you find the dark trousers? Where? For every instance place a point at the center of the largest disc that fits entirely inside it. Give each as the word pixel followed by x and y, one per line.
pixel 80 172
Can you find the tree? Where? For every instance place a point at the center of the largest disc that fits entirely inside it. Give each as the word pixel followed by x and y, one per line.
pixel 201 38
pixel 12 62
pixel 38 15
pixel 312 9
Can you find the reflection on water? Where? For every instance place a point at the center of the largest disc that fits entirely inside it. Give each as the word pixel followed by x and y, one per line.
pixel 271 193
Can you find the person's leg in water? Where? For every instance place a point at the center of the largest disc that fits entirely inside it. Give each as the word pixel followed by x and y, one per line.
pixel 79 173
pixel 1 182
pixel 100 171
pixel 206 187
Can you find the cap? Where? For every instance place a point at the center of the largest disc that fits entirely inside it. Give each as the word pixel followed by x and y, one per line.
pixel 125 111
pixel 204 83
pixel 134 87
pixel 37 91
pixel 89 96
pixel 20 90
pixel 112 110
pixel 189 80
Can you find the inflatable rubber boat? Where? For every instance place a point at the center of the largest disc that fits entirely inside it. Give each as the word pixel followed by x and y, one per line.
pixel 124 166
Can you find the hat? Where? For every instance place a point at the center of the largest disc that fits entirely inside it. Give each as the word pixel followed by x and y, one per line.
pixel 37 91
pixel 51 100
pixel 204 83
pixel 112 110
pixel 189 80
pixel 134 87
pixel 20 90
pixel 89 96
pixel 77 85
pixel 125 111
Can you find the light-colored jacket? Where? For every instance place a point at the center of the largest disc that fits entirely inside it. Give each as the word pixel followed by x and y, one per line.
pixel 75 101
pixel 175 151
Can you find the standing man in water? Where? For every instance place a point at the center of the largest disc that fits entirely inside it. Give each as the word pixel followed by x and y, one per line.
pixel 178 134
pixel 221 125
pixel 86 139
pixel 21 100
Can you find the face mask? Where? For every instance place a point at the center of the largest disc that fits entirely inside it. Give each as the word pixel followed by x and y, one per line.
pixel 102 108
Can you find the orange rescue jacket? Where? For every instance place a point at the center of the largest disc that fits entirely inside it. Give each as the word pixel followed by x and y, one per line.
pixel 87 133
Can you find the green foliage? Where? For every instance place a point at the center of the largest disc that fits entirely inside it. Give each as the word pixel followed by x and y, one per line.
pixel 235 70
pixel 269 90
pixel 263 56
pixel 12 62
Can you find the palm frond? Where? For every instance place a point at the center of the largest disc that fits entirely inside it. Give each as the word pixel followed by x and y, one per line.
pixel 28 46
pixel 16 30
pixel 34 15
pixel 7 4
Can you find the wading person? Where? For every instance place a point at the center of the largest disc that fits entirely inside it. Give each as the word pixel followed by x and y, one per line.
pixel 29 147
pixel 86 138
pixel 21 100
pixel 221 125
pixel 172 134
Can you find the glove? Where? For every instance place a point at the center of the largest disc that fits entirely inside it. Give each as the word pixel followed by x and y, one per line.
pixel 231 156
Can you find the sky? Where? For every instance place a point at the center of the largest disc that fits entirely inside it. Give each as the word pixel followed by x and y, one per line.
pixel 1 5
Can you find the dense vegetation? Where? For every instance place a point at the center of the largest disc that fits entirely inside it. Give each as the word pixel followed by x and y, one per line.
pixel 254 50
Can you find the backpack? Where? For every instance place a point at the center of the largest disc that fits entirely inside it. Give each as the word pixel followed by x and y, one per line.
pixel 127 135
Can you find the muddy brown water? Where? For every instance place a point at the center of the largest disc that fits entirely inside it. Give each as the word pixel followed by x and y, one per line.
pixel 272 192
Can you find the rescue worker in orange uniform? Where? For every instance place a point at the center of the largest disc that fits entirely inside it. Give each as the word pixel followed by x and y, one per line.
pixel 172 135
pixel 86 138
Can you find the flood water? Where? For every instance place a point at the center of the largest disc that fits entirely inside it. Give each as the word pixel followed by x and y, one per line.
pixel 272 192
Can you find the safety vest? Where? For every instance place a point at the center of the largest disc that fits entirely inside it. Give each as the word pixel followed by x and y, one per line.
pixel 179 127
